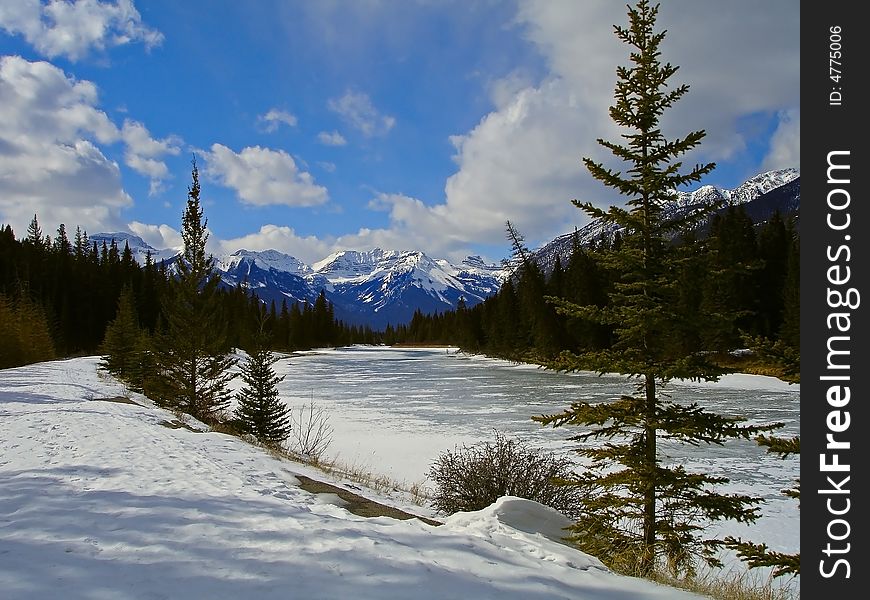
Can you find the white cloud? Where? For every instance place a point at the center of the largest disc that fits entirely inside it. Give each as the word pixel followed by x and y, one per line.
pixel 74 28
pixel 157 236
pixel 273 119
pixel 327 166
pixel 357 110
pixel 785 145
pixel 50 132
pixel 284 239
pixel 142 152
pixel 261 176
pixel 50 163
pixel 331 138
pixel 523 161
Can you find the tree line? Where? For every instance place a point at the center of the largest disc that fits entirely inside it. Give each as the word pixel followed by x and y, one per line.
pixel 58 296
pixel 654 303
pixel 736 285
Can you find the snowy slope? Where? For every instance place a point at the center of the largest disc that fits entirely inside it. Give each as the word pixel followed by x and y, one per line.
pixel 383 286
pixel 375 287
pixel 99 499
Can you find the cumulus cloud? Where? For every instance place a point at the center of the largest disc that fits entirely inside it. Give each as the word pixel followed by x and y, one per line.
pixel 522 161
pixel 142 153
pixel 74 28
pixel 331 138
pixel 157 236
pixel 50 163
pixel 284 239
pixel 357 110
pixel 272 120
pixel 785 144
pixel 262 176
pixel 51 130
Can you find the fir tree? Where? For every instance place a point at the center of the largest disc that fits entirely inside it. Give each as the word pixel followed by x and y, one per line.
pixel 191 355
pixel 260 409
pixel 639 513
pixel 34 233
pixel 122 344
pixel 26 334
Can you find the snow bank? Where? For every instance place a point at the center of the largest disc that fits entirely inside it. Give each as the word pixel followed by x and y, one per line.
pixel 100 499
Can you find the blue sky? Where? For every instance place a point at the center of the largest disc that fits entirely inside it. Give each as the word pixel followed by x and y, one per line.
pixel 328 125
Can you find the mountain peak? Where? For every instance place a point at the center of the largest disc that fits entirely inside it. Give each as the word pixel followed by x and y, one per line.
pixel 133 240
pixel 268 260
pixel 754 188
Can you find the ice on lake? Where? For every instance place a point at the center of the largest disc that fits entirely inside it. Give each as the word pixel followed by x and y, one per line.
pixel 395 410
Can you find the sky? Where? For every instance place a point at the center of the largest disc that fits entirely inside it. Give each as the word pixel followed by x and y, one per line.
pixel 338 124
pixel 100 499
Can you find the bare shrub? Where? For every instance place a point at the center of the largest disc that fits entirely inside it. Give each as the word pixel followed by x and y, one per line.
pixel 473 477
pixel 310 431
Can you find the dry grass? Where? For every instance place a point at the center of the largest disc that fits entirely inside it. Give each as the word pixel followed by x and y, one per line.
pixel 415 492
pixel 735 586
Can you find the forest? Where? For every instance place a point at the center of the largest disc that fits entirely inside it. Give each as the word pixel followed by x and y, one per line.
pixel 661 299
pixel 58 296
pixel 738 287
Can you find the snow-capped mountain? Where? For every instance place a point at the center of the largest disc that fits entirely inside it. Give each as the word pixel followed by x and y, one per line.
pixel 378 287
pixel 387 286
pixel 761 195
pixel 375 287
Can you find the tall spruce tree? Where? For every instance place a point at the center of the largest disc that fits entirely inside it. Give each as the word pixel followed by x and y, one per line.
pixel 191 355
pixel 640 513
pixel 260 409
pixel 122 345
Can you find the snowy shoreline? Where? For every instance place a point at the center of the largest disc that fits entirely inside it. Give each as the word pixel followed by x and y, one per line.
pixel 100 498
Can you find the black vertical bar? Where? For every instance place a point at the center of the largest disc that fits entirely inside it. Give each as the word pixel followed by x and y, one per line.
pixel 834 228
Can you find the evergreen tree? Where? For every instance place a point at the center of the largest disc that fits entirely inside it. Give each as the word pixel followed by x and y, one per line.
pixel 789 331
pixel 260 409
pixel 61 242
pixel 191 354
pixel 122 345
pixel 34 232
pixel 26 334
pixel 639 513
pixel 731 297
pixel 80 243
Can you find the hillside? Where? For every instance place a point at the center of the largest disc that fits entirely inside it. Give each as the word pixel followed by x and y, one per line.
pixel 101 498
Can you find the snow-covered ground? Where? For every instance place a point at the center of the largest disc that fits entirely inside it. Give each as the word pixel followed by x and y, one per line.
pixel 101 500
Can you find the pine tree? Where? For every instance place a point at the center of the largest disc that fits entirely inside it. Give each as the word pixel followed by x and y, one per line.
pixel 34 233
pixel 26 333
pixel 192 359
pixel 639 513
pixel 122 344
pixel 260 409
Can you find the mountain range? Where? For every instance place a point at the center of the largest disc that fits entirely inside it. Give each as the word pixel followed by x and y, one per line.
pixel 379 287
pixel 375 287
pixel 760 196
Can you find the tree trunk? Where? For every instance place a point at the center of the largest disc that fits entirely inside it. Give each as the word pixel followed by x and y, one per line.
pixel 649 500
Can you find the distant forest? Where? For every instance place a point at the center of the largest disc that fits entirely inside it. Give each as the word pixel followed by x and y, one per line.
pixel 749 272
pixel 57 297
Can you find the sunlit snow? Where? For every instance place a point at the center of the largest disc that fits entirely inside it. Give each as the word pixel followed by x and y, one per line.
pixel 99 498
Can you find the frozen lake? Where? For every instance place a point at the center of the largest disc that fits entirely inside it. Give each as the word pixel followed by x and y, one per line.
pixel 395 410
